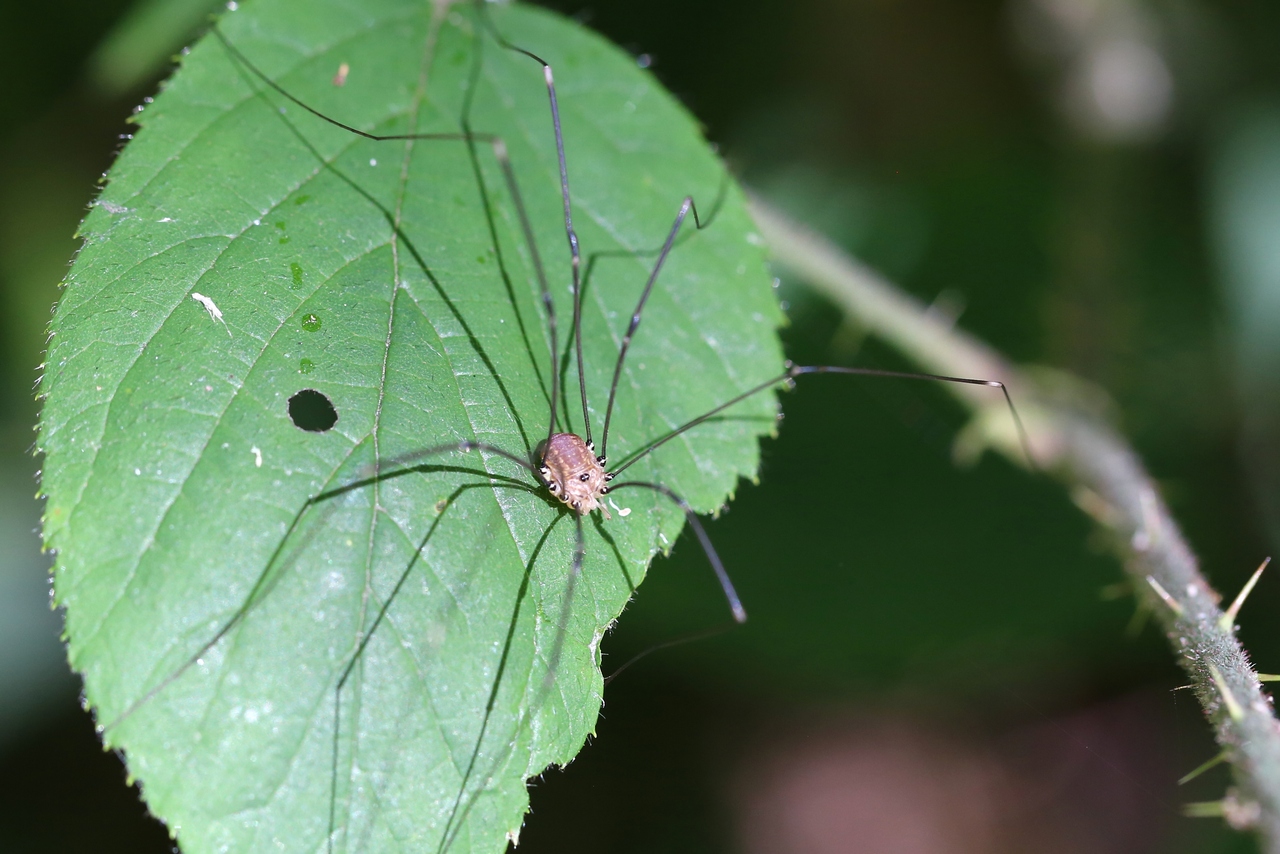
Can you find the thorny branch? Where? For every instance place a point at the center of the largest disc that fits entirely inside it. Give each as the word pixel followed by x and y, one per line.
pixel 1106 478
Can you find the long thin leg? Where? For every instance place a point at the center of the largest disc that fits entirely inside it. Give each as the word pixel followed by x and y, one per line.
pixel 262 582
pixel 658 647
pixel 791 373
pixel 562 629
pixel 365 638
pixel 513 188
pixel 575 249
pixel 465 446
pixel 500 151
pixel 802 370
pixel 575 572
pixel 457 815
pixel 685 207
pixel 735 604
pixel 280 90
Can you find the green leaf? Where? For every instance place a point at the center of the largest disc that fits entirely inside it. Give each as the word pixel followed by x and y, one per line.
pixel 177 485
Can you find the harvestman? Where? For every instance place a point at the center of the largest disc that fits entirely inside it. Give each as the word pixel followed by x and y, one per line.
pixel 567 465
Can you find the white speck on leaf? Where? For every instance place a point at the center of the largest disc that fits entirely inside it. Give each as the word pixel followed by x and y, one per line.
pixel 212 308
pixel 257 455
pixel 622 511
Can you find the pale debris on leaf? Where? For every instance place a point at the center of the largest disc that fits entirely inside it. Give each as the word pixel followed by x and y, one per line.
pixel 212 308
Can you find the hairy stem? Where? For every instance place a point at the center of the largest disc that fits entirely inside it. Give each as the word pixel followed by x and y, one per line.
pixel 1106 479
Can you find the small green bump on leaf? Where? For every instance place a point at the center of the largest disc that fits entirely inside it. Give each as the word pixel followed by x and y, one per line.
pixel 296 270
pixel 306 366
pixel 311 323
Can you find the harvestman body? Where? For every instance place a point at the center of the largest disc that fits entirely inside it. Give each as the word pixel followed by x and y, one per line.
pixel 566 464
pixel 574 474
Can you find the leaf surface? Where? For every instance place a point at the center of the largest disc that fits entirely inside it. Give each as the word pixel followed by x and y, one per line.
pixel 393 278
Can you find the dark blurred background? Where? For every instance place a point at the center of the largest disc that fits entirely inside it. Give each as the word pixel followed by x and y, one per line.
pixel 939 659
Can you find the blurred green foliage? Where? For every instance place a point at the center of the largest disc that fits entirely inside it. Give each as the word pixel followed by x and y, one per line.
pixel 1083 184
pixel 1245 208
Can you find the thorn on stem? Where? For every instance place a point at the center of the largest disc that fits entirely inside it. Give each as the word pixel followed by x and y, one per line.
pixel 1241 815
pixel 1200 769
pixel 1228 618
pixel 1204 809
pixel 1096 507
pixel 1174 605
pixel 1228 699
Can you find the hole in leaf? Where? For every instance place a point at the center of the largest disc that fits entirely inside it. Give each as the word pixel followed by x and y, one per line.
pixel 312 411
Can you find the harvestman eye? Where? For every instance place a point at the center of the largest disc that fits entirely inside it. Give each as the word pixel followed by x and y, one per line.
pixel 566 465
